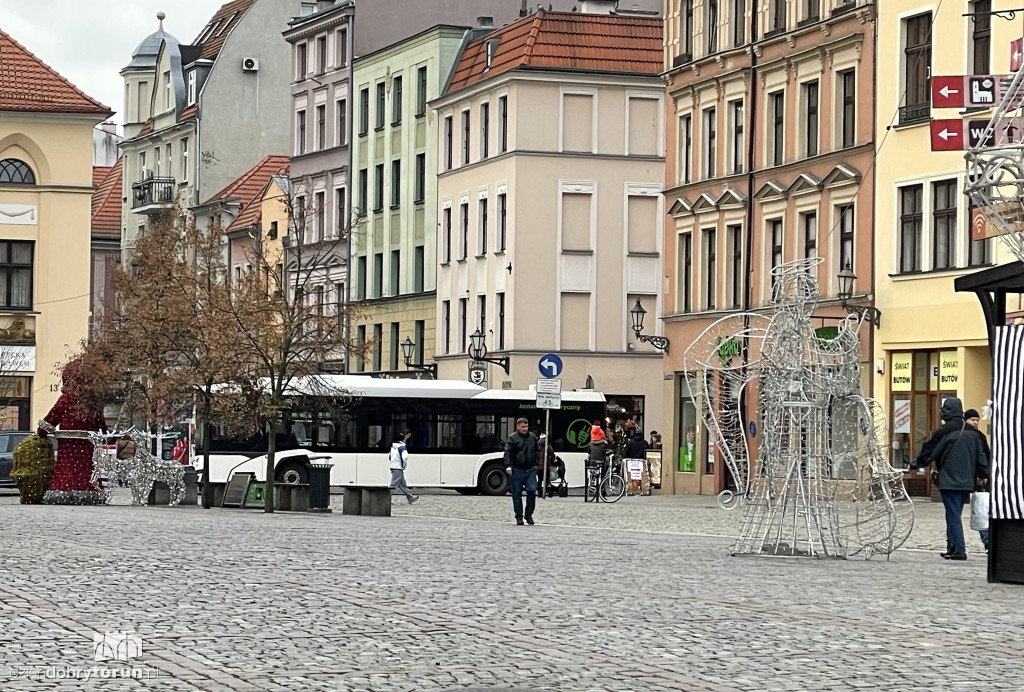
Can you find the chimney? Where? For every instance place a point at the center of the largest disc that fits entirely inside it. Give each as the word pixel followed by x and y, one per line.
pixel 522 11
pixel 598 6
pixel 485 22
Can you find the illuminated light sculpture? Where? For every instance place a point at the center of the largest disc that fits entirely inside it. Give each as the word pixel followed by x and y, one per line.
pixel 818 483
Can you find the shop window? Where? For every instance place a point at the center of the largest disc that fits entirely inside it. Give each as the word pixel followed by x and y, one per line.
pixel 625 415
pixel 15 402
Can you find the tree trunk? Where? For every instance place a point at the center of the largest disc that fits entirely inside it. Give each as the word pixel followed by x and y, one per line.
pixel 268 494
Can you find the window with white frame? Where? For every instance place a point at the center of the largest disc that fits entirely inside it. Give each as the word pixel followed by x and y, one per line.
pixel 848 107
pixel 911 222
pixel 736 116
pixel 846 236
pixel 710 134
pixel 485 130
pixel 736 246
pixel 810 109
pixel 686 149
pixel 684 289
pixel 777 120
pixel 776 248
pixel 944 213
pixel 710 239
pixel 482 229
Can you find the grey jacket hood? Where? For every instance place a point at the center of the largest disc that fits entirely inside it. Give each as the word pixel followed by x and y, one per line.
pixel 952 408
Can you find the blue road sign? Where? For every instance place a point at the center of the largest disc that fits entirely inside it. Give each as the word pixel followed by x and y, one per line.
pixel 550 365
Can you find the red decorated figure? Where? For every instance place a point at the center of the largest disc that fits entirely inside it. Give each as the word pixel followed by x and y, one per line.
pixel 74 411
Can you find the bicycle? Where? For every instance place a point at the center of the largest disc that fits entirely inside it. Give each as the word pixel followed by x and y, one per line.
pixel 603 482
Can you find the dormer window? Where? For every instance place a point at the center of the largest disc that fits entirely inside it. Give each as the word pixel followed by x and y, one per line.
pixel 191 87
pixel 490 47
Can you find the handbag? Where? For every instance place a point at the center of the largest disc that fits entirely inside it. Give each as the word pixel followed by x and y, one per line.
pixel 979 511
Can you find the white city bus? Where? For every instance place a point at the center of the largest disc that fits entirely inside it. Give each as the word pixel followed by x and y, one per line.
pixel 456 432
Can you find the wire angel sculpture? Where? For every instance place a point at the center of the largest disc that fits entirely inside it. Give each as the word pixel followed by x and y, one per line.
pixel 134 465
pixel 818 483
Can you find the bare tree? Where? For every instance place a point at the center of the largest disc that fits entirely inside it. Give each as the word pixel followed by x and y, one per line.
pixel 288 332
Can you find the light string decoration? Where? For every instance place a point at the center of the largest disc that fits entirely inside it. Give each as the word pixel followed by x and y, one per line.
pixel 995 172
pixel 139 469
pixel 818 482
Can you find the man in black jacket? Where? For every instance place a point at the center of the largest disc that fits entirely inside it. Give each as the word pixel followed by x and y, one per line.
pixel 521 456
pixel 961 461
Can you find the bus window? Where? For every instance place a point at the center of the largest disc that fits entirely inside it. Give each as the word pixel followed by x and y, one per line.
pixel 449 431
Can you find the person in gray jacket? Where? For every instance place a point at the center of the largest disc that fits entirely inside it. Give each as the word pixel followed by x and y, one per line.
pixel 961 462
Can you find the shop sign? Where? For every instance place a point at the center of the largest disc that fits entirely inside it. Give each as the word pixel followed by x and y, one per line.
pixel 902 372
pixel 949 370
pixel 726 350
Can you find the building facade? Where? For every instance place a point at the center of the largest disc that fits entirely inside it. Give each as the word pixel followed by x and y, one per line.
pixel 197 116
pixel 933 342
pixel 106 237
pixel 46 190
pixel 770 160
pixel 394 160
pixel 550 218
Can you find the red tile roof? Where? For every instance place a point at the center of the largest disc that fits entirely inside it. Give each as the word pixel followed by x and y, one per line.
pixel 566 41
pixel 248 189
pixel 106 201
pixel 147 127
pixel 223 22
pixel 188 113
pixel 27 84
pixel 99 173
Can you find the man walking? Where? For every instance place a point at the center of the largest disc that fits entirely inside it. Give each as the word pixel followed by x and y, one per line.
pixel 521 456
pixel 399 458
pixel 961 463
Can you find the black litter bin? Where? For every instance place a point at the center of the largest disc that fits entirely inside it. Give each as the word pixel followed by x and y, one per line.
pixel 320 487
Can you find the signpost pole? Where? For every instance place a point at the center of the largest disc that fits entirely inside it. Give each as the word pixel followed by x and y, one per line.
pixel 547 446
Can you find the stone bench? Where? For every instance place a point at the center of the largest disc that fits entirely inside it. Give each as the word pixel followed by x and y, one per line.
pixel 369 501
pixel 291 497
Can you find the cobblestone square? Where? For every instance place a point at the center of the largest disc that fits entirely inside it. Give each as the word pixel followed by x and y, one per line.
pixel 448 594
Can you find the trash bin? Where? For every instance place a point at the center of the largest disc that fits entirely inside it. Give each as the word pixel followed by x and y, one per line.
pixel 191 479
pixel 320 487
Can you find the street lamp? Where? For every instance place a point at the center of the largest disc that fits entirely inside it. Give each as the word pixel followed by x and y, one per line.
pixel 407 346
pixel 847 280
pixel 478 351
pixel 637 315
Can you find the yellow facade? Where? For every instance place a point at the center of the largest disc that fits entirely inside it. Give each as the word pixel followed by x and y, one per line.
pixel 274 226
pixel 384 325
pixel 932 342
pixel 53 214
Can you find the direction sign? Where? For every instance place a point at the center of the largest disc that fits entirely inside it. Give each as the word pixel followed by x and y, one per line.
pixel 970 91
pixel 549 386
pixel 550 365
pixel 549 400
pixel 478 373
pixel 1016 54
pixel 959 135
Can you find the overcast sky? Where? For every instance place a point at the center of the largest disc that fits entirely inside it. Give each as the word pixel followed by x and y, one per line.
pixel 89 41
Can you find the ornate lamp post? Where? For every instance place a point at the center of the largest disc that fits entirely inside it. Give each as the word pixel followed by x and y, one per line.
pixel 847 280
pixel 407 346
pixel 478 351
pixel 637 315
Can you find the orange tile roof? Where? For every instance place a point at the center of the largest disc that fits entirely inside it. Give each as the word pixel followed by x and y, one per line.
pixel 106 202
pixel 147 127
pixel 248 189
pixel 224 21
pixel 189 112
pixel 99 173
pixel 27 84
pixel 566 41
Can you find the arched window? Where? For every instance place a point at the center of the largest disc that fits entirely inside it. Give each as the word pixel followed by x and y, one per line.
pixel 16 172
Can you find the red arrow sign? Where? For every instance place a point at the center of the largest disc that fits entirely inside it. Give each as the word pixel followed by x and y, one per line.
pixel 948 135
pixel 1016 54
pixel 948 91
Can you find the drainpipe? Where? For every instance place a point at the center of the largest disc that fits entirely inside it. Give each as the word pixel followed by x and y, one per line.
pixel 874 193
pixel 748 259
pixel 350 99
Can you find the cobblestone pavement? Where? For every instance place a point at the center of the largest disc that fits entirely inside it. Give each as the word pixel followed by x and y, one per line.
pixel 449 595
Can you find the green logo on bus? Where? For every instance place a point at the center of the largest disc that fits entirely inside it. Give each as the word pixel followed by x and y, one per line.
pixel 578 433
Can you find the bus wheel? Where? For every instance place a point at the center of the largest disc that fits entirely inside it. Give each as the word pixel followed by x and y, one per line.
pixel 292 473
pixel 493 479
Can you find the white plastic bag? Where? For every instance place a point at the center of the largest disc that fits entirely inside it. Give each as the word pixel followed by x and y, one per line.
pixel 979 511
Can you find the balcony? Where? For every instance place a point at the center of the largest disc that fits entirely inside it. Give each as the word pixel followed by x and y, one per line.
pixel 153 195
pixel 915 113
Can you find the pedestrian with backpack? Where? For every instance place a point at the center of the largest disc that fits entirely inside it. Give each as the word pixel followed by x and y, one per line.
pixel 961 463
pixel 399 459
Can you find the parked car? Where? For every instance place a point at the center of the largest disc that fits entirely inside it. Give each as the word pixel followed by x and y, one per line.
pixel 9 439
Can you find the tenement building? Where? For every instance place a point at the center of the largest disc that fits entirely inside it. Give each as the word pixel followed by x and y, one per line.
pixel 769 159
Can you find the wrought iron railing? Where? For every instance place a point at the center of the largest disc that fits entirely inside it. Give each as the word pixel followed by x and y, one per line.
pixel 152 191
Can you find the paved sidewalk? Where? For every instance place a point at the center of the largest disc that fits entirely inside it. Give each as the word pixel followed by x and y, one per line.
pixel 444 596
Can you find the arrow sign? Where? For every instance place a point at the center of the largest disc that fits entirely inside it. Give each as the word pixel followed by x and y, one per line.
pixel 959 135
pixel 550 365
pixel 948 91
pixel 1016 54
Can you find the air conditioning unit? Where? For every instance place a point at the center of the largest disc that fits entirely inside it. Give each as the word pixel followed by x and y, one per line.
pixel 250 64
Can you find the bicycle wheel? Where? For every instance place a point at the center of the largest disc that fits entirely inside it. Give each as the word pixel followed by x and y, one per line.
pixel 613 488
pixel 589 487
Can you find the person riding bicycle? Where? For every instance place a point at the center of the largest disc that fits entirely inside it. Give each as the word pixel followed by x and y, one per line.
pixel 598 447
